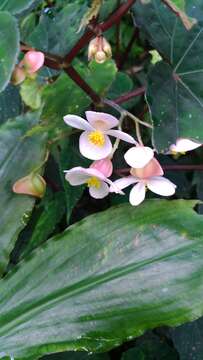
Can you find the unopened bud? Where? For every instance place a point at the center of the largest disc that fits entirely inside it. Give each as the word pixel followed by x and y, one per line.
pixel 153 168
pixel 100 57
pixel 99 49
pixel 33 184
pixel 18 75
pixel 32 61
pixel 107 48
pixel 105 166
pixel 92 49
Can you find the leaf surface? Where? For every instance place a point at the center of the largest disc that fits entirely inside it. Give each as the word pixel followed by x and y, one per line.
pixel 9 47
pixel 18 157
pixel 105 280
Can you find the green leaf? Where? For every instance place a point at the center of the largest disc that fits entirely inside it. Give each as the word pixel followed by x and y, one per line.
pixel 76 356
pixel 178 7
pixel 9 47
pixel 57 34
pixel 101 76
pixel 10 103
pixel 150 347
pixel 18 157
pixel 105 280
pixel 16 7
pixel 69 157
pixel 175 90
pixel 57 99
pixel 187 339
pixel 179 3
pixel 58 102
pixel 53 211
pixel 31 93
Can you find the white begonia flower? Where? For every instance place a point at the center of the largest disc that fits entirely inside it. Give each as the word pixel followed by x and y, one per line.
pixel 183 145
pixel 150 177
pixel 98 183
pixel 139 156
pixel 94 142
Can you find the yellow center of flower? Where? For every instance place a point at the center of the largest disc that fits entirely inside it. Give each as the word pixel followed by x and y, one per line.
pixel 94 182
pixel 97 138
pixel 176 154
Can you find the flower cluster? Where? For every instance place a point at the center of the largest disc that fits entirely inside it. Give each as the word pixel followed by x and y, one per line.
pixel 145 171
pixel 28 66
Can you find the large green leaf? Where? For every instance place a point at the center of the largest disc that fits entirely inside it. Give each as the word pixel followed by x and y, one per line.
pixel 175 90
pixel 57 34
pixel 9 47
pixel 105 280
pixel 187 339
pixel 18 157
pixel 10 103
pixel 15 7
pixel 150 347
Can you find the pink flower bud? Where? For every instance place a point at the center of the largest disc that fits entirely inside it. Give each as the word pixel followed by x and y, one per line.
pixel 18 75
pixel 32 61
pixel 153 168
pixel 99 49
pixel 100 57
pixel 33 184
pixel 105 166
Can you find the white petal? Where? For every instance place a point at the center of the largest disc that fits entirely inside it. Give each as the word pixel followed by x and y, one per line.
pixel 183 145
pixel 94 172
pixel 99 193
pixel 77 122
pixel 139 156
pixel 137 194
pixel 97 119
pixel 77 175
pixel 121 135
pixel 94 152
pixel 161 186
pixel 124 182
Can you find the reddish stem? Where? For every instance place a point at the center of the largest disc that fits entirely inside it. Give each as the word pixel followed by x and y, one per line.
pixel 127 96
pixel 56 62
pixel 82 84
pixel 167 168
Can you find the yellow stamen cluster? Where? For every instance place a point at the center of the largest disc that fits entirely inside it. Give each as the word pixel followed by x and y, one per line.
pixel 94 182
pixel 97 138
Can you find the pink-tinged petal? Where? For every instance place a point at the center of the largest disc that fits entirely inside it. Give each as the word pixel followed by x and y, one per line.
pixel 77 176
pixel 32 184
pixel 105 166
pixel 94 152
pixel 122 136
pixel 183 145
pixel 77 122
pixel 137 194
pixel 99 193
pixel 33 61
pixel 101 121
pixel 124 182
pixel 153 168
pixel 96 173
pixel 139 156
pixel 161 186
